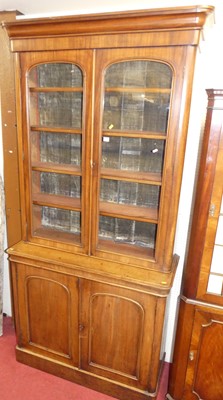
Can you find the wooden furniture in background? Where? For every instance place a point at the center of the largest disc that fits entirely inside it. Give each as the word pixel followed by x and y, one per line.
pixel 103 108
pixel 9 134
pixel 197 365
pixel 10 196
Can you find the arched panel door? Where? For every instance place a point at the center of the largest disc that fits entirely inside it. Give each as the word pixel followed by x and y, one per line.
pixel 137 152
pixel 48 314
pixel 56 144
pixel 120 329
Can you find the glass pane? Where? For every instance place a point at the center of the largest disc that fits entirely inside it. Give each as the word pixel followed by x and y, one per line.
pixel 59 148
pixel 56 219
pixel 139 111
pixel 219 234
pixel 58 184
pixel 139 73
pixel 127 231
pixel 215 284
pixel 55 75
pixel 221 211
pixel 56 109
pixel 137 96
pixel 217 260
pixel 133 154
pixel 122 192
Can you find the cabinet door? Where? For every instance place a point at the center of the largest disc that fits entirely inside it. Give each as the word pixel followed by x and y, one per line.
pixel 210 285
pixel 204 378
pixel 121 334
pixel 47 314
pixel 137 153
pixel 54 139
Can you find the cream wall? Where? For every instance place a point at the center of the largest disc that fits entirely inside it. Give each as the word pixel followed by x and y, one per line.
pixel 208 74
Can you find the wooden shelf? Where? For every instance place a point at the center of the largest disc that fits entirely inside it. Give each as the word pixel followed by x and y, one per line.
pixel 132 176
pixel 124 248
pixel 56 89
pixel 56 235
pixel 144 214
pixel 55 129
pixel 134 134
pixel 138 90
pixel 57 168
pixel 51 200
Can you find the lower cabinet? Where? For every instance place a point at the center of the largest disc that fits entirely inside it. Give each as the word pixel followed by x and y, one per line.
pixel 102 335
pixel 200 376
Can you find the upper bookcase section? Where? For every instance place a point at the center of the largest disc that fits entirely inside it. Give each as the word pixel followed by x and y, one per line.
pixel 163 27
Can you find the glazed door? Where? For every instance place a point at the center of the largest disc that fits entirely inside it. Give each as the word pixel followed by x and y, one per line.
pixel 204 377
pixel 121 334
pixel 47 313
pixel 101 150
pixel 137 153
pixel 55 144
pixel 210 286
